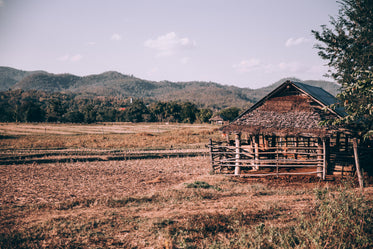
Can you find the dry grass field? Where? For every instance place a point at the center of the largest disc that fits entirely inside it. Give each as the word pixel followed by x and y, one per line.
pixel 171 202
pixel 105 136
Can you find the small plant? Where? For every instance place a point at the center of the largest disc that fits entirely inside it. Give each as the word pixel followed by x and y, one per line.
pixel 200 184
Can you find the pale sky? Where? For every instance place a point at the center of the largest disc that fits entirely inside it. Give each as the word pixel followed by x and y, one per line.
pixel 246 43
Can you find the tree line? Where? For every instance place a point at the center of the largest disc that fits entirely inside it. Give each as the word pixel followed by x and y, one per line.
pixel 347 45
pixel 41 106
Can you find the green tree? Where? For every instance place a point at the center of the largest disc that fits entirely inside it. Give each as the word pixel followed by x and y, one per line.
pixel 158 110
pixel 32 112
pixel 188 112
pixel 137 112
pixel 204 115
pixel 89 113
pixel 348 48
pixel 54 109
pixel 74 117
pixel 230 113
pixel 172 112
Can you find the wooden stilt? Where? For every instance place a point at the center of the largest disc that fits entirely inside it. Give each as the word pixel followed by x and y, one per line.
pixel 237 169
pixel 211 156
pixel 357 164
pixel 325 143
pixel 256 152
pixel 337 141
pixel 319 158
pixel 324 167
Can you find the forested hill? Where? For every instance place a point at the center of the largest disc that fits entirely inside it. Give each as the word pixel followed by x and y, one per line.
pixel 204 94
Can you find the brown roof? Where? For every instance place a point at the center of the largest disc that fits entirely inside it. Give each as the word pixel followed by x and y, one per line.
pixel 218 118
pixel 288 110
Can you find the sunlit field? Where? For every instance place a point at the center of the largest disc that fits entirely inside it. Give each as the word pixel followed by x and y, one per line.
pixel 169 202
pixel 107 135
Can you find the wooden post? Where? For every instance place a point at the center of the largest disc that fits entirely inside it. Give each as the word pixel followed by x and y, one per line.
pixel 296 147
pixel 211 156
pixel 326 144
pixel 252 151
pixel 346 143
pixel 319 158
pixel 357 162
pixel 277 161
pixel 256 152
pixel 337 141
pixel 237 169
pixel 273 142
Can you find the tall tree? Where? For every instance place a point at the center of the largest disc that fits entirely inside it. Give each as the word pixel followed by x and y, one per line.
pixel 230 113
pixel 348 48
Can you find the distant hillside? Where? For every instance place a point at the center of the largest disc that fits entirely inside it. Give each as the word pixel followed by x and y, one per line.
pixel 10 76
pixel 204 94
pixel 326 85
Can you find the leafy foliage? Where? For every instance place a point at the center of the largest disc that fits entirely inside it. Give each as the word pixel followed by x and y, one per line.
pixel 230 113
pixel 358 102
pixel 40 106
pixel 348 48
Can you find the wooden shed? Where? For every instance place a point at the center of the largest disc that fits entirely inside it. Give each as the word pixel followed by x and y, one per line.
pixel 281 135
pixel 218 120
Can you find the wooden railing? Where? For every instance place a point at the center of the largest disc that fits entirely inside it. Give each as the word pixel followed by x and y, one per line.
pixel 267 161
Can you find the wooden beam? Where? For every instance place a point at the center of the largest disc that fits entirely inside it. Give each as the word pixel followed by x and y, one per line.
pixel 320 157
pixel 211 156
pixel 357 164
pixel 256 158
pixel 326 157
pixel 237 169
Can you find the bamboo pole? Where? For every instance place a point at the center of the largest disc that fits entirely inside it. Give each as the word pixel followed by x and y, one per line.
pixel 277 162
pixel 320 157
pixel 357 162
pixel 324 159
pixel 237 169
pixel 211 156
pixel 256 164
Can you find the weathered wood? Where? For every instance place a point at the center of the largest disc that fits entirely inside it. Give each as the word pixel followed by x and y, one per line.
pixel 357 163
pixel 256 152
pixel 326 144
pixel 290 152
pixel 324 159
pixel 320 157
pixel 287 173
pixel 211 155
pixel 337 140
pixel 237 170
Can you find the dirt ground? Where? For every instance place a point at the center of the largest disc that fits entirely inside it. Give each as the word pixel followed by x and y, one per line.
pixel 134 203
pixel 52 183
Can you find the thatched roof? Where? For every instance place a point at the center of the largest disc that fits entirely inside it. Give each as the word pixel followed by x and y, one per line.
pixel 218 118
pixel 293 108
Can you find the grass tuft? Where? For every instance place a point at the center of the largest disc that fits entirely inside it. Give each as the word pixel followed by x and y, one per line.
pixel 201 184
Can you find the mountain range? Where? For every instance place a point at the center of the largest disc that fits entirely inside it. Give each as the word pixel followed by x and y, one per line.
pixel 204 94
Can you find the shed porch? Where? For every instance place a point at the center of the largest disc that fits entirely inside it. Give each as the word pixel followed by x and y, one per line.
pixel 245 154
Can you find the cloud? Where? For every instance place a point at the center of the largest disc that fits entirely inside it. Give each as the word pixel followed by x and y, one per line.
pixel 248 65
pixel 76 57
pixel 254 64
pixel 288 67
pixel 185 60
pixel 69 58
pixel 1 3
pixel 291 42
pixel 116 37
pixel 169 43
pixel 153 70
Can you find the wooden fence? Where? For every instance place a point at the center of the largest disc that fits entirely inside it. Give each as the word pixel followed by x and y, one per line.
pixel 254 160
